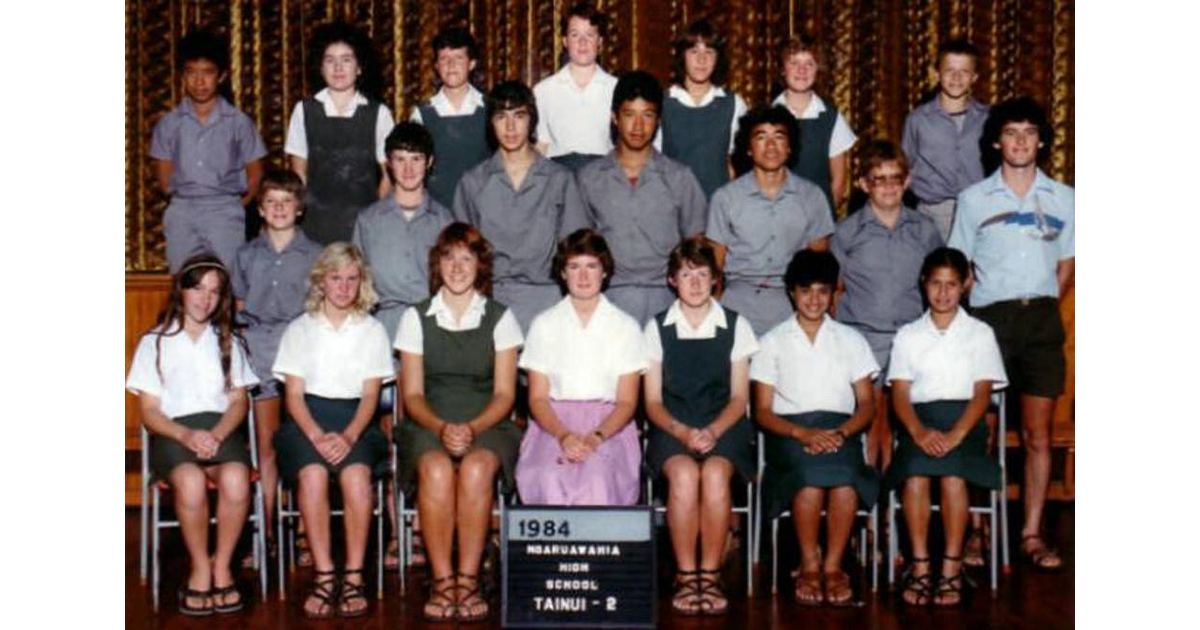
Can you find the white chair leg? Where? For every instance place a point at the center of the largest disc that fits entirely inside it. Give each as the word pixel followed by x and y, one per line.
pixel 283 547
pixel 893 539
pixel 155 570
pixel 144 542
pixel 751 505
pixel 381 510
pixel 875 549
pixel 774 555
pixel 260 540
pixel 995 532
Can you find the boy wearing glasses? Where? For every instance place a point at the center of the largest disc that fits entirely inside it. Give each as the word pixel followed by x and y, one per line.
pixel 880 249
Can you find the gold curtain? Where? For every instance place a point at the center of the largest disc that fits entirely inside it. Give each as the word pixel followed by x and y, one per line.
pixel 878 60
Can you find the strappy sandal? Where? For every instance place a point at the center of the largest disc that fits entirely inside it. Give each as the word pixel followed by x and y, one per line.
pixel 471 599
pixel 447 606
pixel 711 600
pixel 194 611
pixel 350 592
pixel 686 600
pixel 810 580
pixel 922 585
pixel 224 592
pixel 838 582
pixel 975 549
pixel 952 585
pixel 1038 556
pixel 324 591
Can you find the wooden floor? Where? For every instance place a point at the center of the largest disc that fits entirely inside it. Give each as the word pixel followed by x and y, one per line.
pixel 1026 598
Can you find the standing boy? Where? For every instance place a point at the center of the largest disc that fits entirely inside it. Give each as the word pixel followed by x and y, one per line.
pixel 765 216
pixel 522 202
pixel 941 136
pixel 574 102
pixel 640 200
pixel 206 154
pixel 1018 228
pixel 270 282
pixel 823 157
pixel 455 115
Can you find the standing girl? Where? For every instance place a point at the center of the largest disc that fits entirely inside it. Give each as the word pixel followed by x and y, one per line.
pixel 697 388
pixel 333 360
pixel 335 138
pixel 190 374
pixel 942 372
pixel 583 356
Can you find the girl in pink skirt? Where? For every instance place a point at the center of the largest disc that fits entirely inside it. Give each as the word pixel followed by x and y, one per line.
pixel 583 356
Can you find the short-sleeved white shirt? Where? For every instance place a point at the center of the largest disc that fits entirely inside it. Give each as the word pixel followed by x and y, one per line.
pixel 444 108
pixel 583 363
pixel 192 380
pixel 945 365
pixel 744 342
pixel 334 362
pixel 297 138
pixel 410 337
pixel 814 375
pixel 573 120
pixel 680 94
pixel 842 137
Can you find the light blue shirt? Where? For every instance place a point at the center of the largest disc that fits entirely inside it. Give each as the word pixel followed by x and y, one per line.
pixel 1015 244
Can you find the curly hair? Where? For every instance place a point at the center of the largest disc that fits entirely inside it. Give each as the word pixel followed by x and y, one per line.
pixel 332 33
pixel 170 318
pixel 338 255
pixel 459 234
pixel 1014 110
pixel 774 115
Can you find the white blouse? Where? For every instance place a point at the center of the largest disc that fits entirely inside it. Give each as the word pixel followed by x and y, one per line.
pixel 744 342
pixel 816 375
pixel 191 380
pixel 410 337
pixel 334 362
pixel 945 365
pixel 583 363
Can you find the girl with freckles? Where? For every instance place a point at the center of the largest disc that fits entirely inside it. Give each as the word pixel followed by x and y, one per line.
pixel 584 357
pixel 333 360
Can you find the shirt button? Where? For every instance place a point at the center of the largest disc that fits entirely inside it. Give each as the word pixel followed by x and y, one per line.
pixel 278 262
pixel 274 282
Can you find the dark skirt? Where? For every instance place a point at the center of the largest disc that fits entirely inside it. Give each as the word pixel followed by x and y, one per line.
pixel 503 439
pixel 969 460
pixel 166 453
pixel 294 451
pixel 736 445
pixel 789 468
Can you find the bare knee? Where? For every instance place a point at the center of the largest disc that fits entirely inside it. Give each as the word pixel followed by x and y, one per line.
pixel 435 473
pixel 190 486
pixel 476 473
pixel 715 477
pixel 683 478
pixel 355 481
pixel 233 480
pixel 313 482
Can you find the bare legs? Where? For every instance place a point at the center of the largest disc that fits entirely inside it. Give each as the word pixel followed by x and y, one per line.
pixel 191 505
pixel 699 509
pixel 313 496
pixel 806 512
pixel 916 503
pixel 1036 415
pixel 267 419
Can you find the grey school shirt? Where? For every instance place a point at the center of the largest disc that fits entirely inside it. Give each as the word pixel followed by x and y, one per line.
pixel 761 234
pixel 524 225
pixel 943 156
pixel 397 251
pixel 273 284
pixel 880 268
pixel 642 222
pixel 208 159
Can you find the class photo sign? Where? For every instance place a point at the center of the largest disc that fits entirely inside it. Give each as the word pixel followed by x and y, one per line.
pixel 583 567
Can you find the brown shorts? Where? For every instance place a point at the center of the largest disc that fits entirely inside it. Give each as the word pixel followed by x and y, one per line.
pixel 1030 334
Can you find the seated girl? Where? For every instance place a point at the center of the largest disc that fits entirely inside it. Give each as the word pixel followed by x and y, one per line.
pixel 697 387
pixel 190 374
pixel 583 356
pixel 942 371
pixel 333 360
pixel 458 353
pixel 814 393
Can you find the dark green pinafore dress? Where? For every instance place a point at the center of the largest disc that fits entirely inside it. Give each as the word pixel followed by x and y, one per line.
pixel 459 143
pixel 459 378
pixel 343 173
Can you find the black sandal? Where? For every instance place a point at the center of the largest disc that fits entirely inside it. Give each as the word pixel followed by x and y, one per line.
pixel 922 585
pixel 472 599
pixel 348 592
pixel 325 591
pixel 194 611
pixel 952 585
pixel 449 609
pixel 224 592
pixel 708 589
pixel 686 600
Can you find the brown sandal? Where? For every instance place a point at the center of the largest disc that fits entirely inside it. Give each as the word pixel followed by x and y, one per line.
pixel 711 600
pixel 447 606
pixel 810 580
pixel 1040 553
pixel 687 598
pixel 472 598
pixel 838 582
pixel 349 592
pixel 324 591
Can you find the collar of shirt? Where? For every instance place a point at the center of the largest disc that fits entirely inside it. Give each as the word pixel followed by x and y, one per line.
pixel 600 77
pixel 221 109
pixel 956 324
pixel 708 326
pixel 793 329
pixel 996 184
pixel 352 321
pixel 685 98
pixel 566 310
pixel 906 215
pixel 418 212
pixel 472 101
pixel 495 165
pixel 323 97
pixel 813 110
pixel 790 186
pixel 974 108
pixel 653 165
pixel 299 241
pixel 445 317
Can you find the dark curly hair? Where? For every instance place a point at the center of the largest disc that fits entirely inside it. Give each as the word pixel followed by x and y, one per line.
pixel 1018 109
pixel 340 32
pixel 774 115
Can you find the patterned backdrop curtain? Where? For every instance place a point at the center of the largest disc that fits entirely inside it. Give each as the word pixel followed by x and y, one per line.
pixel 879 58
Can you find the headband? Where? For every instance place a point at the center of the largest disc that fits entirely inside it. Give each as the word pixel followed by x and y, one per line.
pixel 201 264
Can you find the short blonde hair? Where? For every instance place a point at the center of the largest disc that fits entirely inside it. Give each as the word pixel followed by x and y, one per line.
pixel 336 256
